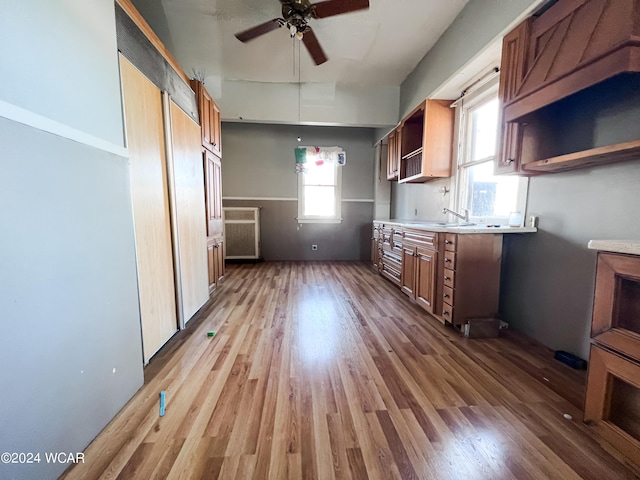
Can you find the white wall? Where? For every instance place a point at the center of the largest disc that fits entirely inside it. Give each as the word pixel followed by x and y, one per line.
pixel 325 104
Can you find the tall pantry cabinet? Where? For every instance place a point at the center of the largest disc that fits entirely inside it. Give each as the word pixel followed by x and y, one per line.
pixel 211 157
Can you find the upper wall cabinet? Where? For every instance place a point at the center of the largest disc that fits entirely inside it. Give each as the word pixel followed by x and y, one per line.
pixel 567 78
pixel 393 154
pixel 426 142
pixel 209 118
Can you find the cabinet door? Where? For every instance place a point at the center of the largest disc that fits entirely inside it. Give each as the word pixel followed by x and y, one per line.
pixel 409 270
pixel 215 128
pixel 150 203
pixel 512 71
pixel 426 271
pixel 219 258
pixel 211 266
pixel 392 156
pixel 189 210
pixel 213 192
pixel 206 115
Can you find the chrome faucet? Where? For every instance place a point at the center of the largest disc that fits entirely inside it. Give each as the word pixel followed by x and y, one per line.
pixel 464 217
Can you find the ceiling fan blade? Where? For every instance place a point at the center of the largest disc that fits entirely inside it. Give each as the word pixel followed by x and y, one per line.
pixel 315 50
pixel 330 8
pixel 259 30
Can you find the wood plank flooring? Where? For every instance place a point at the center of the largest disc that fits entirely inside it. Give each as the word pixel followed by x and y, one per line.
pixel 325 370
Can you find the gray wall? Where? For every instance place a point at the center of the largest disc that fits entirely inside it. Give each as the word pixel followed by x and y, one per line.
pixel 258 162
pixel 548 280
pixel 479 23
pixel 70 345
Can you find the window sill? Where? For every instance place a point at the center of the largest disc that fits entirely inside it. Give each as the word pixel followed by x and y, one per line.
pixel 319 220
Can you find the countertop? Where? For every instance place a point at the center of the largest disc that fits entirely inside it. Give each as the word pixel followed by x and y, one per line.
pixel 455 228
pixel 631 247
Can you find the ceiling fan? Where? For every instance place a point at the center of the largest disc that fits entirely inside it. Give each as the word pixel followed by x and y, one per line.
pixel 296 15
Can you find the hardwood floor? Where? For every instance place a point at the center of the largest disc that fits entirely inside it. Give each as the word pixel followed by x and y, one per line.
pixel 325 370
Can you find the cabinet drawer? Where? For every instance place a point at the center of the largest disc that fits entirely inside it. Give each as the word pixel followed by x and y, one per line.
pixel 447 295
pixel 421 238
pixel 450 242
pixel 447 312
pixel 450 260
pixel 449 277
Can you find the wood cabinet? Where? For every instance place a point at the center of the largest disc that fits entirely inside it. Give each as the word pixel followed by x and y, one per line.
pixel 213 192
pixel 420 268
pixel 426 142
pixel 391 253
pixel 375 245
pixel 454 277
pixel 612 401
pixel 215 262
pixel 393 154
pixel 210 121
pixel 470 277
pixel 150 203
pixel 564 73
pixel 212 164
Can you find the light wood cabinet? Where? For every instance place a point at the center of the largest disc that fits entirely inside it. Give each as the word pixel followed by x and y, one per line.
pixel 393 154
pixel 563 73
pixel 426 142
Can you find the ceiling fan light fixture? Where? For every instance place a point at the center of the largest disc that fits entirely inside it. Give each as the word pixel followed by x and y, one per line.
pixel 299 35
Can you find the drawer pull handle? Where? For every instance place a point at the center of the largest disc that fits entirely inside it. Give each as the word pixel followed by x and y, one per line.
pixel 445 313
pixel 446 295
pixel 446 260
pixel 446 278
pixel 448 242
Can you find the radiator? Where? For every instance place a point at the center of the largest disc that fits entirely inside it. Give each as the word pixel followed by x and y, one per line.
pixel 241 232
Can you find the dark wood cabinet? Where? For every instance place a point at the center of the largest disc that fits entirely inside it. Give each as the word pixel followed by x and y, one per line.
pixel 565 71
pixel 420 268
pixel 612 400
pixel 210 121
pixel 213 193
pixel 212 164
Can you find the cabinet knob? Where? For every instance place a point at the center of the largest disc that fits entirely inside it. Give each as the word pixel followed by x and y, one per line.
pixel 510 161
pixel 446 260
pixel 446 295
pixel 446 278
pixel 448 242
pixel 445 313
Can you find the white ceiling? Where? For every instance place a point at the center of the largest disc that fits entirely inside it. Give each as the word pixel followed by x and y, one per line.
pixel 375 47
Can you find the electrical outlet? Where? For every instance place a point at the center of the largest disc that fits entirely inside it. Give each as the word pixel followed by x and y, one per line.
pixel 314 247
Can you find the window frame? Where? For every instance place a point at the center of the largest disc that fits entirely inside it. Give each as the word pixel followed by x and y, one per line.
pixel 464 112
pixel 337 216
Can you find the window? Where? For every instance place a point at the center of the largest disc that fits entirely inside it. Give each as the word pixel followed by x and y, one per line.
pixel 319 187
pixel 489 198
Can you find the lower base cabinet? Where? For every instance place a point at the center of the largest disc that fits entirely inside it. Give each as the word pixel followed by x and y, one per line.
pixel 420 269
pixel 215 261
pixel 454 277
